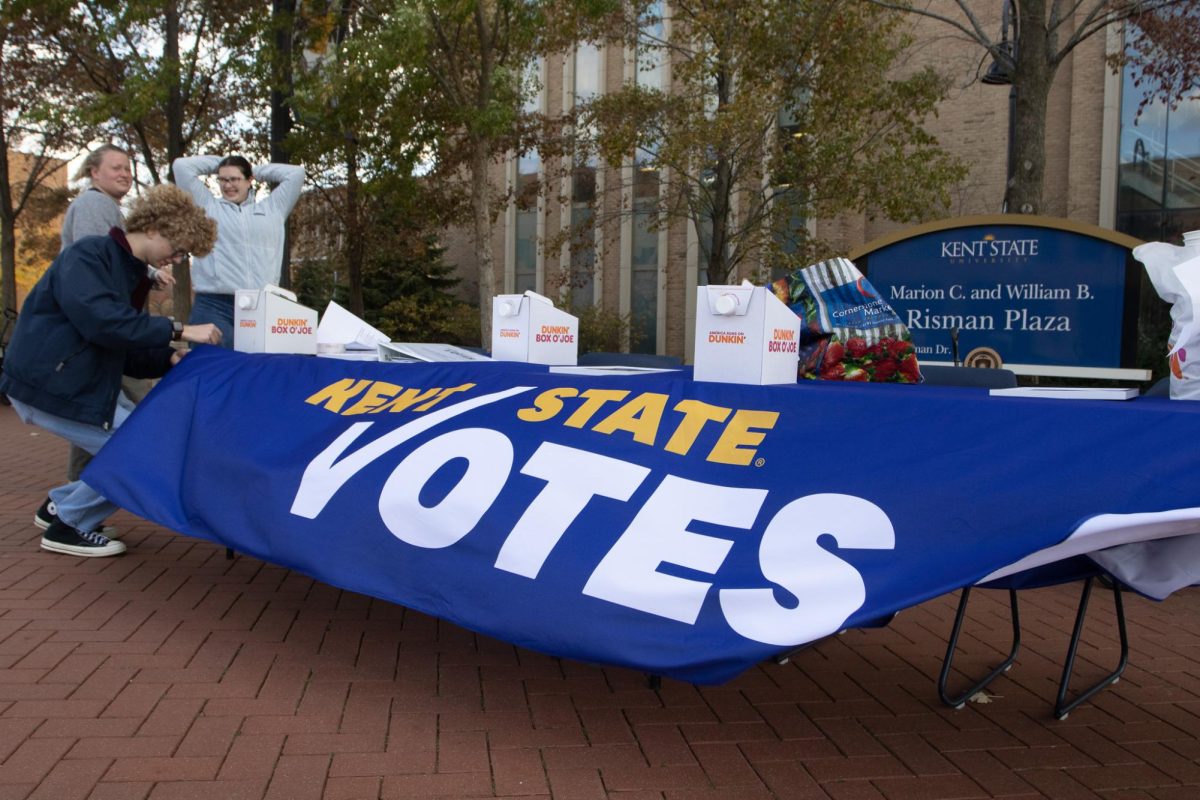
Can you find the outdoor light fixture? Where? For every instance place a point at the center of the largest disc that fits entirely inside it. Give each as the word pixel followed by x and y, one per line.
pixel 999 73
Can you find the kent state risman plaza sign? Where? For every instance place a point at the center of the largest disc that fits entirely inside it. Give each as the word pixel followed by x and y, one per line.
pixel 1048 296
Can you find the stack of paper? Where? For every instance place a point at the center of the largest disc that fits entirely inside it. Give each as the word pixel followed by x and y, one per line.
pixel 424 351
pixel 1067 392
pixel 343 335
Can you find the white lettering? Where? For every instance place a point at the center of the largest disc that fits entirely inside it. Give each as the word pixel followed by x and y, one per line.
pixel 628 574
pixel 323 477
pixel 489 457
pixel 573 477
pixel 828 589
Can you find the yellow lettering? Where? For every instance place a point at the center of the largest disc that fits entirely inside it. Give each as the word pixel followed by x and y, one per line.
pixel 409 398
pixel 742 433
pixel 593 399
pixel 376 395
pixel 695 415
pixel 640 416
pixel 335 395
pixel 546 404
pixel 443 394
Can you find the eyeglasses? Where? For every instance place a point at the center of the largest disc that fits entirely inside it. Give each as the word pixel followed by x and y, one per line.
pixel 230 181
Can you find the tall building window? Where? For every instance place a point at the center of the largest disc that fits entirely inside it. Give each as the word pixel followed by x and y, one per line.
pixel 583 233
pixel 644 287
pixel 588 72
pixel 644 278
pixel 1159 189
pixel 651 52
pixel 528 188
pixel 588 75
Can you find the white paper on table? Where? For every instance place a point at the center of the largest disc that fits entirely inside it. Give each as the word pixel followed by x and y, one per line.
pixel 1188 273
pixel 352 355
pixel 339 326
pixel 1068 392
pixel 426 351
pixel 606 369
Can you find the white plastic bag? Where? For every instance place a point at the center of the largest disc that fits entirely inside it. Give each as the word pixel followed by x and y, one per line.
pixel 1175 274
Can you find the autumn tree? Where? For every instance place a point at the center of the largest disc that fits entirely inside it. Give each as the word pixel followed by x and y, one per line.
pixel 776 111
pixel 33 82
pixel 1163 55
pixel 166 77
pixel 464 71
pixel 354 129
pixel 1045 32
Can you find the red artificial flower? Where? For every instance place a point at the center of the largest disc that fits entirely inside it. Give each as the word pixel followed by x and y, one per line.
pixel 857 374
pixel 835 353
pixel 885 370
pixel 898 348
pixel 834 372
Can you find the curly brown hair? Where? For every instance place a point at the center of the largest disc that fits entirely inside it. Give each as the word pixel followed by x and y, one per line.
pixel 171 212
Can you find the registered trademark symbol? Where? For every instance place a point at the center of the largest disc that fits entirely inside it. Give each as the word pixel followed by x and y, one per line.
pixel 758 462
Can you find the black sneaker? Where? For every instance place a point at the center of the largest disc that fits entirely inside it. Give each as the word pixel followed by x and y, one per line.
pixel 62 538
pixel 46 516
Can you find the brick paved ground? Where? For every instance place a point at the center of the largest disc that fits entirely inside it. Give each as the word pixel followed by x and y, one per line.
pixel 173 673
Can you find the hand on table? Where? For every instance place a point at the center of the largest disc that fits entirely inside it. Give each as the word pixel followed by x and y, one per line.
pixel 206 333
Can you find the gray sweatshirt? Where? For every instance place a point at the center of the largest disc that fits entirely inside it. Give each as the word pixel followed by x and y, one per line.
pixel 249 249
pixel 92 213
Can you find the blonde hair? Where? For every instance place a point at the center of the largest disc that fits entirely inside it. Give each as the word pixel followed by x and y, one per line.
pixel 171 212
pixel 94 159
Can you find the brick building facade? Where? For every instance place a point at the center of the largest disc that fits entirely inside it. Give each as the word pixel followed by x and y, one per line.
pixel 652 275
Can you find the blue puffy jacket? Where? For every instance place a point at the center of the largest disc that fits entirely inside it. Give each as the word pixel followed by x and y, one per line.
pixel 79 331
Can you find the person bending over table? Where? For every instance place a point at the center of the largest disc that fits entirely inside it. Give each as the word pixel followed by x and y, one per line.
pixel 249 249
pixel 94 212
pixel 81 328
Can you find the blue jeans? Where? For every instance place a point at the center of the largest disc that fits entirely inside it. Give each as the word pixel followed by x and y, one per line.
pixel 217 309
pixel 79 505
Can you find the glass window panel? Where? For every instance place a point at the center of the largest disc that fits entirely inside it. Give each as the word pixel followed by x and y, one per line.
pixel 583 256
pixel 790 228
pixel 644 309
pixel 704 232
pixel 527 179
pixel 533 84
pixel 588 72
pixel 526 263
pixel 651 57
pixel 1159 162
pixel 583 187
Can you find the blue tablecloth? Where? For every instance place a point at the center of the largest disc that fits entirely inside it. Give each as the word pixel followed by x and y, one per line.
pixel 682 528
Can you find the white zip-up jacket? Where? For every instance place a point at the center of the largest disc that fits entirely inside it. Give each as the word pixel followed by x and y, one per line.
pixel 249 249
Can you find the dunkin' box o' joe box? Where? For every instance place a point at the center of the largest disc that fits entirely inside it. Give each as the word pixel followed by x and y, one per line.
pixel 269 320
pixel 744 334
pixel 527 327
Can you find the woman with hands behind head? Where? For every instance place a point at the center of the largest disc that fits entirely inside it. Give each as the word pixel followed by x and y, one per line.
pixel 81 328
pixel 249 249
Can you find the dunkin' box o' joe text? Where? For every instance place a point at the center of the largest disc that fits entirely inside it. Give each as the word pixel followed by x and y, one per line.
pixel 271 321
pixel 744 334
pixel 527 327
